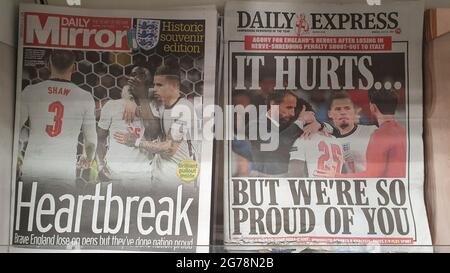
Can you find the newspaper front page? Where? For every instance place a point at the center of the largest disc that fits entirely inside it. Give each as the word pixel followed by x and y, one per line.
pixel 108 114
pixel 326 149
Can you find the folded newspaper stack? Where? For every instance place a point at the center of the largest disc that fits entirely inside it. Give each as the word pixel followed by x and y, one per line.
pixel 327 150
pixel 109 113
pixel 437 65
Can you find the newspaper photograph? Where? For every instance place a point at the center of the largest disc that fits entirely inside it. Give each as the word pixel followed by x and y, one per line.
pixel 325 150
pixel 107 151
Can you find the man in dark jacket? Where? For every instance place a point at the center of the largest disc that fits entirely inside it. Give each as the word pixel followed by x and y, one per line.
pixel 295 118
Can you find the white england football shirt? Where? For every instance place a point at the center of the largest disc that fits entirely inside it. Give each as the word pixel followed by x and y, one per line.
pixel 177 123
pixel 354 145
pixel 124 161
pixel 319 152
pixel 57 111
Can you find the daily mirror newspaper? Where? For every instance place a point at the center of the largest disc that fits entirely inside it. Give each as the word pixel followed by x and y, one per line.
pixel 326 149
pixel 109 106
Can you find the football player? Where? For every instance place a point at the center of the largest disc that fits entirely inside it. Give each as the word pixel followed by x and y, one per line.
pixel 126 164
pixel 386 151
pixel 57 110
pixel 353 136
pixel 176 143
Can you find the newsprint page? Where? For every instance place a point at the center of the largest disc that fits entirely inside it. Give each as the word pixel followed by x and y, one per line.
pixel 326 151
pixel 107 145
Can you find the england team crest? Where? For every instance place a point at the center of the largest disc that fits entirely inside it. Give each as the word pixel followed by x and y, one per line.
pixel 147 33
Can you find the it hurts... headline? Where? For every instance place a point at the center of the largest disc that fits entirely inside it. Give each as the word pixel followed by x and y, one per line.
pixel 357 207
pixel 310 72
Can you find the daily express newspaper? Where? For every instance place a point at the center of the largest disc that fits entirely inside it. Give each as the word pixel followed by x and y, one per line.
pixel 109 106
pixel 327 143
